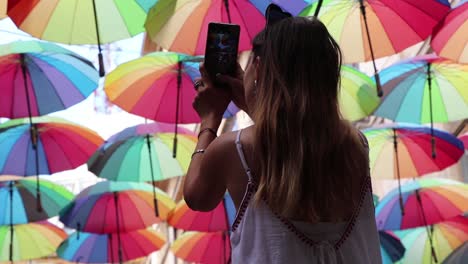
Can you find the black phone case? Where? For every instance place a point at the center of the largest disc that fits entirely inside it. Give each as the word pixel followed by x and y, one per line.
pixel 222 45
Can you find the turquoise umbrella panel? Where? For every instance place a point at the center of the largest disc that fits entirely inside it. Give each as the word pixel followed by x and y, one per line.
pixel 407 97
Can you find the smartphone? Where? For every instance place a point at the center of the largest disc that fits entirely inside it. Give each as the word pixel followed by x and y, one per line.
pixel 222 43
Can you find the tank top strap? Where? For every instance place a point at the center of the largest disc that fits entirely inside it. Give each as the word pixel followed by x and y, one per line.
pixel 240 151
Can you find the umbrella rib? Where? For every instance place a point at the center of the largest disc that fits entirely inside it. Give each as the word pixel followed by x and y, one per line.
pixel 349 10
pixel 51 136
pixel 48 81
pixel 398 86
pixel 402 19
pixel 159 105
pixel 122 19
pixel 12 109
pixel 241 18
pixel 48 20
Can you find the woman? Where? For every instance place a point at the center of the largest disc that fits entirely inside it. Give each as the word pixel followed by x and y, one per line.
pixel 299 176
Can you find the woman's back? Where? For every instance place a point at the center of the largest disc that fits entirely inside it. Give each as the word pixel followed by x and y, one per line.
pixel 261 236
pixel 308 197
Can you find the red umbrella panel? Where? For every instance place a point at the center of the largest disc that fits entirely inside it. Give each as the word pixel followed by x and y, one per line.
pixel 450 37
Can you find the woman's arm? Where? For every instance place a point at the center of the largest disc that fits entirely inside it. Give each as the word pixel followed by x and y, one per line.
pixel 206 179
pixel 205 183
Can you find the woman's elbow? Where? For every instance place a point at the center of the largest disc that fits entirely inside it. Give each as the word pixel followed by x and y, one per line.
pixel 196 201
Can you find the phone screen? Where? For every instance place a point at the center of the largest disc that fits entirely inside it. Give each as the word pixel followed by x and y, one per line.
pixel 221 48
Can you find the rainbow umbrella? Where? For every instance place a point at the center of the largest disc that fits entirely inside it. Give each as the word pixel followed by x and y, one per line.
pixel 18 196
pixel 405 151
pixel 158 86
pixel 357 95
pixel 110 248
pixel 450 37
pixel 29 241
pixel 39 78
pixel 81 22
pixel 433 243
pixel 464 139
pixel 392 25
pixel 425 202
pixel 458 256
pixel 391 247
pixel 182 217
pixel 182 26
pixel 425 89
pixel 143 153
pixel 207 248
pixel 60 145
pixel 46 146
pixel 106 206
pixel 145 86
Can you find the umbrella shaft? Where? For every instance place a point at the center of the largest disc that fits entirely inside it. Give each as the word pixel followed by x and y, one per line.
pixel 226 5
pixel 25 83
pixel 317 10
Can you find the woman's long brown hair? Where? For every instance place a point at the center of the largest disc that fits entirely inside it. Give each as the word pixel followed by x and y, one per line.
pixel 307 152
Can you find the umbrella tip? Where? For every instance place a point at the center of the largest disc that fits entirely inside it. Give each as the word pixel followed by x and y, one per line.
pixel 102 71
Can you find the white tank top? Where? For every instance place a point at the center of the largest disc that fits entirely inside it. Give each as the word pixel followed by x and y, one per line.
pixel 261 236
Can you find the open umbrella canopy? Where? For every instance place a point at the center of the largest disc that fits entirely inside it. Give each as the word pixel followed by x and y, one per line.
pixel 76 21
pixel 199 247
pixel 405 151
pixel 450 37
pixel 445 236
pixel 158 86
pixel 105 248
pixel 39 78
pixel 143 153
pixel 30 241
pixel 59 145
pixel 182 217
pixel 426 202
pixel 105 207
pixel 393 25
pixel 391 247
pixel 18 196
pixel 182 26
pixel 424 89
pixel 357 94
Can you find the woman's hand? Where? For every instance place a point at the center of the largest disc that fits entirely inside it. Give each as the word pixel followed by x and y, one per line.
pixel 211 101
pixel 236 85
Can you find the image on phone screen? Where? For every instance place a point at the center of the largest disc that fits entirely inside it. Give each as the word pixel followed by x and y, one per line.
pixel 221 48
